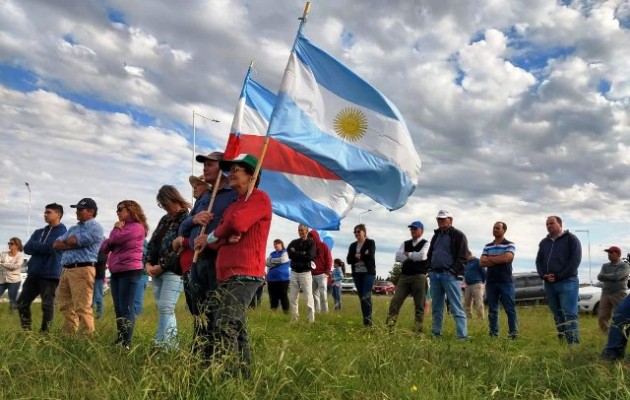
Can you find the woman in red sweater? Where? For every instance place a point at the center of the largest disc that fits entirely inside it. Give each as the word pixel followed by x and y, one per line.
pixel 241 241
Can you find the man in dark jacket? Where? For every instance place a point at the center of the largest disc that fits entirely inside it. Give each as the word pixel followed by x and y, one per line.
pixel 44 269
pixel 447 258
pixel 302 253
pixel 557 262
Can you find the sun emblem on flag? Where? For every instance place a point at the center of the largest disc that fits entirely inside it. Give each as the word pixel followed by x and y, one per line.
pixel 350 124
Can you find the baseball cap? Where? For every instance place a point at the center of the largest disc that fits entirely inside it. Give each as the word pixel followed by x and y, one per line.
pixel 444 214
pixel 416 224
pixel 214 156
pixel 242 158
pixel 85 203
pixel 613 249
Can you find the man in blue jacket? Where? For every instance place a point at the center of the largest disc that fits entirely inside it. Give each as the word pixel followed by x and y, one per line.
pixel 44 269
pixel 202 277
pixel 447 258
pixel 557 262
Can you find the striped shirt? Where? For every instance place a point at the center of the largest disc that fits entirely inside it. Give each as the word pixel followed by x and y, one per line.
pixel 499 273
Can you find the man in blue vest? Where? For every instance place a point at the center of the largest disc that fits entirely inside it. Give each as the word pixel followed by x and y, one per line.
pixel 413 276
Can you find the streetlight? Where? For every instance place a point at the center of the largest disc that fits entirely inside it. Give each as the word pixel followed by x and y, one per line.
pixel 588 237
pixel 28 228
pixel 364 212
pixel 195 137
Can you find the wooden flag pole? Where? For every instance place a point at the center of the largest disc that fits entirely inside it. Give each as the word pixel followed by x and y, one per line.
pixel 250 189
pixel 263 151
pixel 215 189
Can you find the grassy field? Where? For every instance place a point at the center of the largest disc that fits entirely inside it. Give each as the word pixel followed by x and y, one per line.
pixel 335 358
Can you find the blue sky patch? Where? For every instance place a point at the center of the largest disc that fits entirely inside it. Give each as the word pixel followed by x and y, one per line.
pixel 347 39
pixel 17 78
pixel 454 61
pixel 70 39
pixel 533 59
pixel 624 21
pixel 116 16
pixel 604 86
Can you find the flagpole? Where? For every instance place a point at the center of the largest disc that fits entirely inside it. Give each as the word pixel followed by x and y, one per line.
pixel 263 151
pixel 307 8
pixel 215 188
pixel 194 138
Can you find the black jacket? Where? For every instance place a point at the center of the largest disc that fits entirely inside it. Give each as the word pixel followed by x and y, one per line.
pixel 367 255
pixel 301 252
pixel 459 248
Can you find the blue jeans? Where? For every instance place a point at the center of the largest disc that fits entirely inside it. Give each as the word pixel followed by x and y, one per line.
pixel 139 302
pixel 13 293
pixel 231 327
pixel 97 297
pixel 618 332
pixel 124 290
pixel 505 293
pixel 563 302
pixel 364 284
pixel 446 284
pixel 167 288
pixel 336 293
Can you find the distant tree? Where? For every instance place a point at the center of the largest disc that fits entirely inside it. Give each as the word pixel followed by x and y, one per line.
pixel 394 274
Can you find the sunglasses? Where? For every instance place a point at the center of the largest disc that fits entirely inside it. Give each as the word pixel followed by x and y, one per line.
pixel 119 209
pixel 10 243
pixel 413 228
pixel 355 232
pixel 235 168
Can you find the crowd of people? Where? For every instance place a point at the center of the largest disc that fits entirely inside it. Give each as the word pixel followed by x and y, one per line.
pixel 215 252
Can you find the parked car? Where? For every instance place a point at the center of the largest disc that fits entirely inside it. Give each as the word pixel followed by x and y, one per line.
pixel 589 299
pixel 383 287
pixel 529 286
pixel 347 286
pixel 589 296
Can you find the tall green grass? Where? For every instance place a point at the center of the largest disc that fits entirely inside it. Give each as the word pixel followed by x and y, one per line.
pixel 335 358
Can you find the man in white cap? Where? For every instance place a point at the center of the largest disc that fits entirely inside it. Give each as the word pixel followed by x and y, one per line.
pixel 447 258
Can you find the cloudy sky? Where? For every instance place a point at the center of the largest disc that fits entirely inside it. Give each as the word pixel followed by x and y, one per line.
pixel 518 109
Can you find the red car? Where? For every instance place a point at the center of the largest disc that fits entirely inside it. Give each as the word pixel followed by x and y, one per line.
pixel 383 287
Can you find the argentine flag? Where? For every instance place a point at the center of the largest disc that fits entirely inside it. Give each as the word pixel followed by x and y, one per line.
pixel 329 114
pixel 300 188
